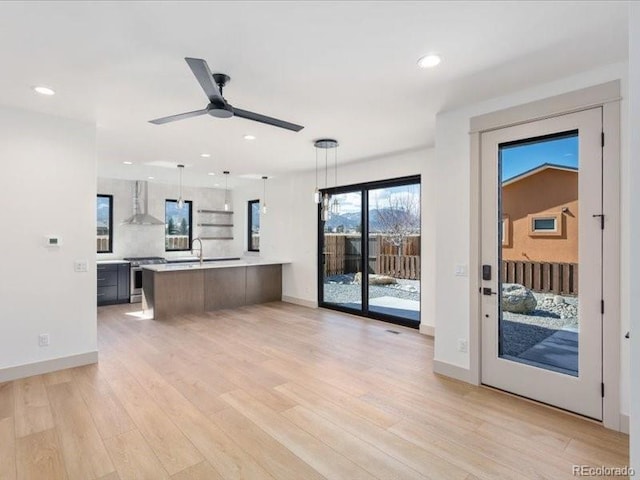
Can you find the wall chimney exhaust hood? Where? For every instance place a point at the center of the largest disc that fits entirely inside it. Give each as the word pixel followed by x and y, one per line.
pixel 141 207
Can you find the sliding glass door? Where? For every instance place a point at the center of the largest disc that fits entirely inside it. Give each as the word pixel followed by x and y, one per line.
pixel 369 250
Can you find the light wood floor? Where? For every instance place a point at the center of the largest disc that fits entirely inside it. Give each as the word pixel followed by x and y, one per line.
pixel 279 392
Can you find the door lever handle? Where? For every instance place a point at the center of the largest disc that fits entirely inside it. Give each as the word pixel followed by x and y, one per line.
pixel 488 291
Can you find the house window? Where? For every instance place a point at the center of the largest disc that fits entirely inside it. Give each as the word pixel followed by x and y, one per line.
pixel 506 230
pixel 177 227
pixel 547 224
pixel 104 223
pixel 253 230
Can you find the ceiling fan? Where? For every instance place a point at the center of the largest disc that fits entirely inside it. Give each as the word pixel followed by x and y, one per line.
pixel 218 106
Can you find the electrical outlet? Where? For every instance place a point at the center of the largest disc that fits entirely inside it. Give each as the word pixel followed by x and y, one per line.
pixel 80 266
pixel 43 339
pixel 462 345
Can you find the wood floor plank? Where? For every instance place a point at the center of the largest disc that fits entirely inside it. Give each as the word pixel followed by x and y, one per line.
pixel 275 457
pixel 7 449
pixel 32 411
pixel 133 457
pixel 60 376
pixel 107 412
pixel 173 449
pixel 375 461
pixel 422 460
pixel 84 453
pixel 6 400
pixel 38 456
pixel 229 457
pixel 201 471
pixel 111 476
pixel 326 461
pixel 279 392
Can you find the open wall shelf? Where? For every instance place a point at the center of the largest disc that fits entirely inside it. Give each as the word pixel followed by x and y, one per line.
pixel 226 222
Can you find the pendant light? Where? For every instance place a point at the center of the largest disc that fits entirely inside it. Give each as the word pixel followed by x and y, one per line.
pixel 335 206
pixel 264 195
pixel 327 205
pixel 316 193
pixel 180 199
pixel 226 191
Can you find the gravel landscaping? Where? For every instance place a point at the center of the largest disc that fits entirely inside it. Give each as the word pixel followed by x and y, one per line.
pixel 342 289
pixel 552 311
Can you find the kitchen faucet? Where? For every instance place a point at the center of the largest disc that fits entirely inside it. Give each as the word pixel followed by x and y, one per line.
pixel 200 256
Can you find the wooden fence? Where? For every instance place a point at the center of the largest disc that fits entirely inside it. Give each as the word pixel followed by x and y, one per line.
pixel 558 278
pixel 343 253
pixel 102 243
pixel 177 242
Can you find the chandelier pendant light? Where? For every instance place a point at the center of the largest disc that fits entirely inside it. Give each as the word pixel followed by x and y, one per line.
pixel 226 191
pixel 180 199
pixel 328 206
pixel 316 193
pixel 264 195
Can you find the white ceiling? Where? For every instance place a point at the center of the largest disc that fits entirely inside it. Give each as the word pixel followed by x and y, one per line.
pixel 342 69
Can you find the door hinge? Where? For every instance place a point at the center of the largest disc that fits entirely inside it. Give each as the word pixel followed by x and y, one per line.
pixel 602 389
pixel 602 142
pixel 602 306
pixel 601 215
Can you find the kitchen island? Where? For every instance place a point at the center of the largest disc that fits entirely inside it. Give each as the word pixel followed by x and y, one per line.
pixel 175 289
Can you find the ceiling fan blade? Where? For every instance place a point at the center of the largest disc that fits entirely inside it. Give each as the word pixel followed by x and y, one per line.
pixel 256 117
pixel 201 70
pixel 180 116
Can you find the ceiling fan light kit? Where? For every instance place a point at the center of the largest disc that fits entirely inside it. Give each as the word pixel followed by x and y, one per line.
pixel 213 85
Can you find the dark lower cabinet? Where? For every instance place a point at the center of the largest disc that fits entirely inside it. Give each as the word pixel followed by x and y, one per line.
pixel 113 283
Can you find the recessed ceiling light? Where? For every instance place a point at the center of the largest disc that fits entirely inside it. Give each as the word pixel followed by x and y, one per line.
pixel 429 61
pixel 205 155
pixel 128 163
pixel 216 184
pixel 249 137
pixel 44 90
pixel 151 178
pixel 211 173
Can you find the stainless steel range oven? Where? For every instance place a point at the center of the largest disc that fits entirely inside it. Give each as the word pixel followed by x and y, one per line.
pixel 135 285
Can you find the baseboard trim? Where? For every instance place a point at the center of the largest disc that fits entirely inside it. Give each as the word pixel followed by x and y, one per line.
pixel 299 301
pixel 624 423
pixel 47 366
pixel 453 371
pixel 427 330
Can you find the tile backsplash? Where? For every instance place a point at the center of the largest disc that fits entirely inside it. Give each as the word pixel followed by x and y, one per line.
pixel 148 240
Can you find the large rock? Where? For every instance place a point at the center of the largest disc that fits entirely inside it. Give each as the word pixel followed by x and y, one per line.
pixel 375 279
pixel 517 298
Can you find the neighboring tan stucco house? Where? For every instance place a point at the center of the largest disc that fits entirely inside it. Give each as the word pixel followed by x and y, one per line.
pixel 540 215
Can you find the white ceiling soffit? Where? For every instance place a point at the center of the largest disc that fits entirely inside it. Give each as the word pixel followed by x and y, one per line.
pixel 345 70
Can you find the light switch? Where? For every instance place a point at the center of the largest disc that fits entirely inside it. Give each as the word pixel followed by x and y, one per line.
pixel 80 266
pixel 461 270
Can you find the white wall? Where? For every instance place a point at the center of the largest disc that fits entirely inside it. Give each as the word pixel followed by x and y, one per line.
pixel 47 186
pixel 634 222
pixel 289 229
pixel 452 222
pixel 148 240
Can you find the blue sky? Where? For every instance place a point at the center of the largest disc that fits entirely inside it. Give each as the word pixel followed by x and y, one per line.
pixel 519 159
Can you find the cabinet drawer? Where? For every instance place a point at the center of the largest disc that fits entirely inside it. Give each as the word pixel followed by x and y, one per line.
pixel 108 278
pixel 101 268
pixel 107 295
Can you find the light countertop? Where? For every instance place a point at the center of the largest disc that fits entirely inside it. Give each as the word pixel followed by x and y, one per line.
pixel 108 262
pixel 243 262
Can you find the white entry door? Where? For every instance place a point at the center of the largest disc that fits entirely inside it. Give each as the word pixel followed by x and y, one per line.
pixel 542 261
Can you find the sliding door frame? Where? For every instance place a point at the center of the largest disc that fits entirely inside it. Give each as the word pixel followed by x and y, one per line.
pixel 364 189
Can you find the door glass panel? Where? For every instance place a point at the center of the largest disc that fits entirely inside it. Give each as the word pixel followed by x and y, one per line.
pixel 394 251
pixel 342 251
pixel 538 258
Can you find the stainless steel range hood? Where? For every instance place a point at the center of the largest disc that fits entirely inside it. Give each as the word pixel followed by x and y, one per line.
pixel 141 207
